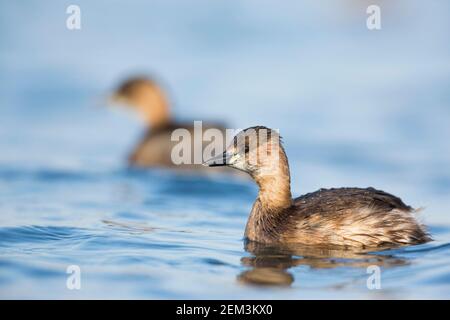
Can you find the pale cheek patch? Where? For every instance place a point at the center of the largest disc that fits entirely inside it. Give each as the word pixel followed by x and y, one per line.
pixel 237 162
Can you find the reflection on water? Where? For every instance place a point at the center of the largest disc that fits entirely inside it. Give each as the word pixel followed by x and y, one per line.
pixel 270 264
pixel 356 108
pixel 125 230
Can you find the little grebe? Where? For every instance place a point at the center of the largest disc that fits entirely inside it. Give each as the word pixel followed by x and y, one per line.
pixel 155 148
pixel 350 217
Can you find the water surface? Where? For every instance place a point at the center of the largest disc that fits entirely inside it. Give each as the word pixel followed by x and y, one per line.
pixel 355 108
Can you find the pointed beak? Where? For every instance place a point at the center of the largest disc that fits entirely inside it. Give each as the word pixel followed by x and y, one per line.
pixel 112 100
pixel 218 161
pixel 103 101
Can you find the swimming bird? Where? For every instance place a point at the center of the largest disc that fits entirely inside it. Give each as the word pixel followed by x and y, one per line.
pixel 349 217
pixel 146 97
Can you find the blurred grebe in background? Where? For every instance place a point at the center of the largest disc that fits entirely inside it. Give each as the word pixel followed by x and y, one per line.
pixel 147 98
pixel 349 217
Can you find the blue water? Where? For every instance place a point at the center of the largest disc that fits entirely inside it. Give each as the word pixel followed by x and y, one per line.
pixel 355 108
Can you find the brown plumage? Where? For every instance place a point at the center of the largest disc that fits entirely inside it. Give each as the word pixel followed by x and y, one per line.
pixel 155 147
pixel 352 217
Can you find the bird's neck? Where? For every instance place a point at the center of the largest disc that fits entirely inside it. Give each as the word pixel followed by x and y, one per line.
pixel 158 115
pixel 275 191
pixel 154 108
pixel 275 183
pixel 274 197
